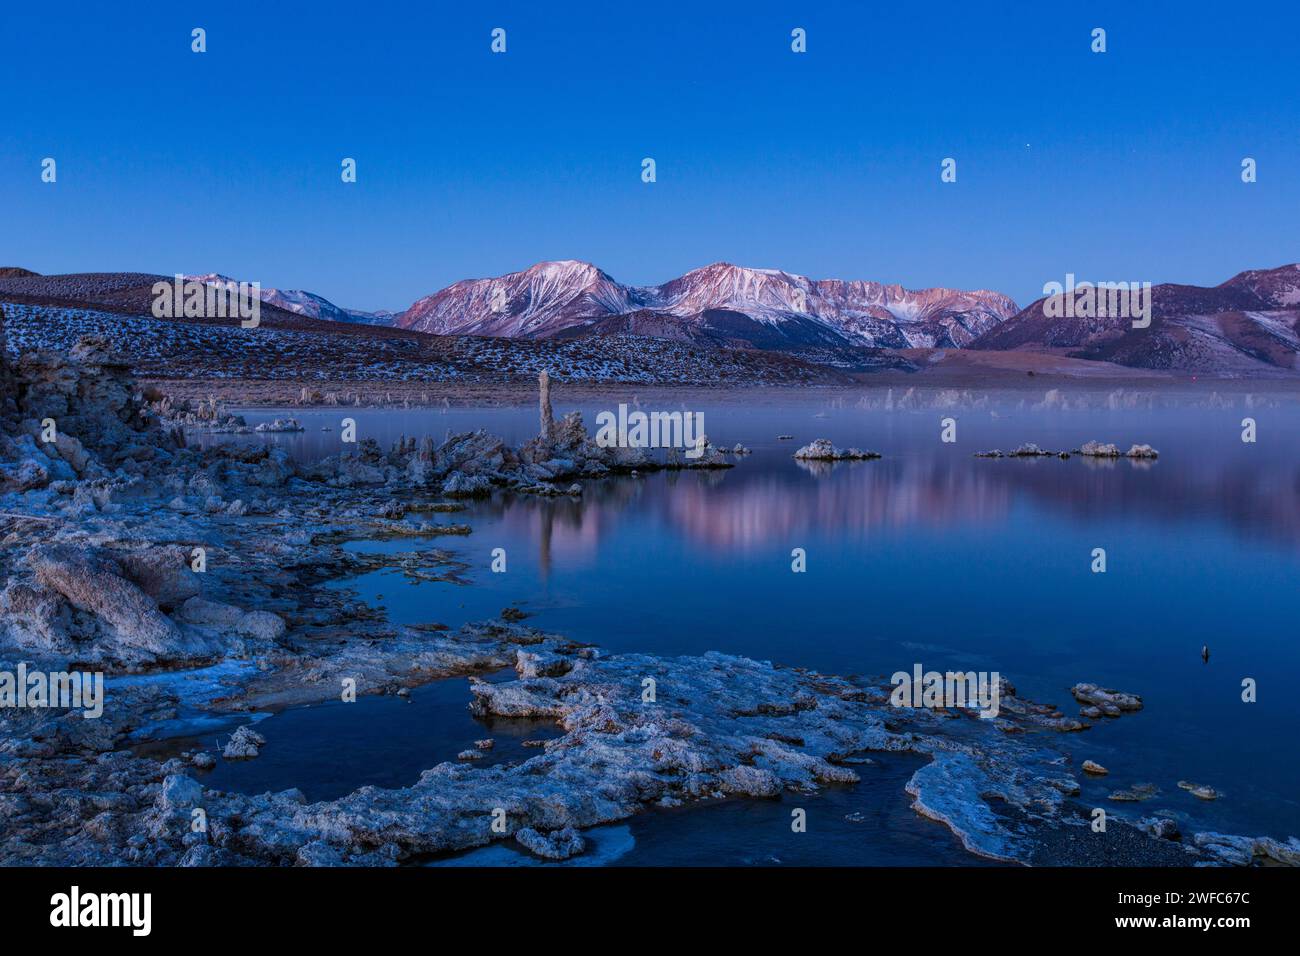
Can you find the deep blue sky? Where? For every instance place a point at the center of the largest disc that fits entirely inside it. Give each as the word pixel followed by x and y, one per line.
pixel 1118 166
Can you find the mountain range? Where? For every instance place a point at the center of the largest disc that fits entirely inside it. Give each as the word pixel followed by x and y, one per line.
pixel 1248 325
pixel 720 304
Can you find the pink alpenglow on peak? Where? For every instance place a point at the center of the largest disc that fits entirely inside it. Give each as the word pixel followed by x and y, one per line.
pixel 723 303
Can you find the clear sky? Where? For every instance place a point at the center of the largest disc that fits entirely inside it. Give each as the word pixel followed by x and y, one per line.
pixel 1117 166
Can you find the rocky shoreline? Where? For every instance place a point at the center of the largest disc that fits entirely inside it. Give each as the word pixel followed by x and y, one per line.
pixel 191 577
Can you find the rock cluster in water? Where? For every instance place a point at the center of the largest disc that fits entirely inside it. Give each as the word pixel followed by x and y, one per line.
pixel 244 744
pixel 1090 449
pixel 822 449
pixel 1096 449
pixel 279 425
pixel 1027 450
pixel 1104 702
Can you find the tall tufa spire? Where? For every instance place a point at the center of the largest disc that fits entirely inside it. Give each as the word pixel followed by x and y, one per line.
pixel 544 406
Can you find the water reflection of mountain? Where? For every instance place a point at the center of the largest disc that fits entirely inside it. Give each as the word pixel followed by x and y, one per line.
pixel 850 499
pixel 767 501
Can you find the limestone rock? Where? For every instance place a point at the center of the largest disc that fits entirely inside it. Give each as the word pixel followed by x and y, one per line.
pixel 1141 451
pixel 280 425
pixel 163 573
pixel 244 744
pixel 134 626
pixel 198 610
pixel 556 845
pixel 823 450
pixel 180 792
pixel 262 625
pixel 1105 701
pixel 1243 851
pixel 1162 828
pixel 461 485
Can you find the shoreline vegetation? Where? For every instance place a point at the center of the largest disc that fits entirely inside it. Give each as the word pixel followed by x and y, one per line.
pixel 104 522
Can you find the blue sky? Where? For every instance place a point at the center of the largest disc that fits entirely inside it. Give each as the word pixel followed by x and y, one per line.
pixel 1115 166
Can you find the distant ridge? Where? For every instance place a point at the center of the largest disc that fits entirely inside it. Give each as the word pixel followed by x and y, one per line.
pixel 307 303
pixel 1251 319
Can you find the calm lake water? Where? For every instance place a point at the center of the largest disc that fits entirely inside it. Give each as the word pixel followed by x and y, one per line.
pixel 927 556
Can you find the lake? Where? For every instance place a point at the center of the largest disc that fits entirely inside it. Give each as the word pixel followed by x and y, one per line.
pixel 928 555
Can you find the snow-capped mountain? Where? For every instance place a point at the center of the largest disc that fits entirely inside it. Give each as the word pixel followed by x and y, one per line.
pixel 764 308
pixel 309 304
pixel 536 303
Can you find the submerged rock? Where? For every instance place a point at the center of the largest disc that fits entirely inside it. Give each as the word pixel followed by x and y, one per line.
pixel 1199 790
pixel 1135 794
